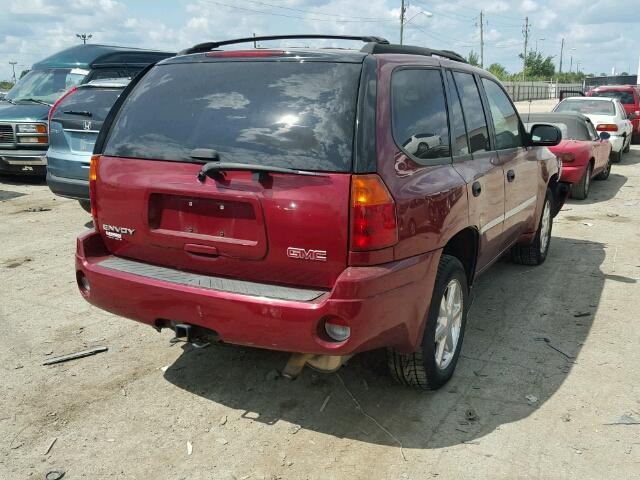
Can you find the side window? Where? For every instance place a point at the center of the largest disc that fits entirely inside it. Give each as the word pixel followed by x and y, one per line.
pixel 592 131
pixel 419 113
pixel 473 112
pixel 505 119
pixel 459 141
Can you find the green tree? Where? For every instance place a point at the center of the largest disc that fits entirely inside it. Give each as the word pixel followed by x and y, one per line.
pixel 6 85
pixel 473 58
pixel 536 66
pixel 499 71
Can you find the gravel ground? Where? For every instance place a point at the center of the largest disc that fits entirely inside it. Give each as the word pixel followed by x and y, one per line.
pixel 517 407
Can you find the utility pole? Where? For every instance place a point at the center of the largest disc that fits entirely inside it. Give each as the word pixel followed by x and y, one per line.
pixel 481 39
pixel 561 51
pixel 525 31
pixel 84 37
pixel 13 67
pixel 403 10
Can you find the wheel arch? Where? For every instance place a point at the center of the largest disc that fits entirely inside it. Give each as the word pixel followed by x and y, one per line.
pixel 464 246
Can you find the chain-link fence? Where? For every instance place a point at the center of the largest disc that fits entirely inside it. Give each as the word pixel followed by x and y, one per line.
pixel 522 91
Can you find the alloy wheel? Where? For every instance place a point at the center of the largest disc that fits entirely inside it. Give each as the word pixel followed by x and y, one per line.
pixel 449 324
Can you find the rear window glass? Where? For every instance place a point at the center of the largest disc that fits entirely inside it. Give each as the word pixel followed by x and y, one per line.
pixel 94 101
pixel 624 97
pixel 285 114
pixel 587 107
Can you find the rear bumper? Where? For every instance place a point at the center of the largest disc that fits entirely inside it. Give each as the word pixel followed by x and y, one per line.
pixel 68 187
pixel 23 162
pixel 617 142
pixel 572 173
pixel 384 305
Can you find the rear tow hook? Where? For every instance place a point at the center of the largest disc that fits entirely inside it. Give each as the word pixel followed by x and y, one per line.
pixel 183 333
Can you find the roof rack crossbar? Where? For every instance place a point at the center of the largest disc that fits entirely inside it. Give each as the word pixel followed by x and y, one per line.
pixel 374 48
pixel 205 47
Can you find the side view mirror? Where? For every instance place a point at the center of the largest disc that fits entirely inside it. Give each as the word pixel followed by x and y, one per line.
pixel 605 135
pixel 544 135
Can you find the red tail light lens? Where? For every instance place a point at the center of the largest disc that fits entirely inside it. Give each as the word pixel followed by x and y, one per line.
pixel 246 53
pixel 607 127
pixel 373 214
pixel 566 157
pixel 55 105
pixel 93 176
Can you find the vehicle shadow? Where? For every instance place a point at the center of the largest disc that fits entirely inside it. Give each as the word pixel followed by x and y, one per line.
pixel 632 157
pixel 524 334
pixel 601 191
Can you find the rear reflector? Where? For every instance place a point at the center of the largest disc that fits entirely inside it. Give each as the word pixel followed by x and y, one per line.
pixel 93 177
pixel 246 53
pixel 337 329
pixel 373 214
pixel 607 127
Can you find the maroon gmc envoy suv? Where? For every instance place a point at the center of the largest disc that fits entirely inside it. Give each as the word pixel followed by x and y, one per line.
pixel 322 202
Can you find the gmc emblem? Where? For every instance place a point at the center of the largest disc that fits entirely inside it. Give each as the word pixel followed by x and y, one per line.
pixel 303 254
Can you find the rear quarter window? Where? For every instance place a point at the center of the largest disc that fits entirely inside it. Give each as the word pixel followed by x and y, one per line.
pixel 288 114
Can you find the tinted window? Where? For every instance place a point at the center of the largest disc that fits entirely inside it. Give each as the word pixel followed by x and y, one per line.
pixel 105 73
pixel 285 114
pixel 505 119
pixel 420 113
pixel 624 97
pixel 88 103
pixel 460 145
pixel 586 107
pixel 473 112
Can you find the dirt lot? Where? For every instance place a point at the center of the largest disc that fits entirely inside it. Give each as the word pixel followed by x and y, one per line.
pixel 517 407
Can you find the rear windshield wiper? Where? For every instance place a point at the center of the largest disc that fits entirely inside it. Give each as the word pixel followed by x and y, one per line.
pixel 214 169
pixel 34 100
pixel 84 113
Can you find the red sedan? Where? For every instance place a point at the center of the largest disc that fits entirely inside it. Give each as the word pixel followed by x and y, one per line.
pixel 585 155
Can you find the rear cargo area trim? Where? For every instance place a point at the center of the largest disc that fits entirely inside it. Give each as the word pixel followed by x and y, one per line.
pixel 220 284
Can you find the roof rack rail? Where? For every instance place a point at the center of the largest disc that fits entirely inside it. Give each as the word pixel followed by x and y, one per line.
pixel 205 47
pixel 373 48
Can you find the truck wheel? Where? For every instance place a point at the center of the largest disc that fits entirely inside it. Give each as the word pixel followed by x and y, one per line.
pixel 580 190
pixel 433 363
pixel 86 205
pixel 604 174
pixel 535 253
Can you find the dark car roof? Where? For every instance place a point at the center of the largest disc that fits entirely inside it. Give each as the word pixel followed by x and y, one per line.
pixel 554 117
pixel 95 56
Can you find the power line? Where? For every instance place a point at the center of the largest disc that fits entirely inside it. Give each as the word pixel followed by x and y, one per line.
pixel 315 12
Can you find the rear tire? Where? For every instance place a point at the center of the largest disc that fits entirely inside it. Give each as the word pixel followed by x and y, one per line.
pixel 604 174
pixel 433 363
pixel 626 148
pixel 615 157
pixel 86 205
pixel 580 190
pixel 535 253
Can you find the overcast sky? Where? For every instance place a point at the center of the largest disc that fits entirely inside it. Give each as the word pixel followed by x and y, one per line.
pixel 604 33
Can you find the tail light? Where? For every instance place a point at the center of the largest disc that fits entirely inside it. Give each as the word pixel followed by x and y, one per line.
pixel 566 157
pixel 607 127
pixel 373 214
pixel 93 176
pixel 57 103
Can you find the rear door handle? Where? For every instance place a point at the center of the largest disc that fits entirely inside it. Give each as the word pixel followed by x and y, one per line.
pixel 511 175
pixel 476 188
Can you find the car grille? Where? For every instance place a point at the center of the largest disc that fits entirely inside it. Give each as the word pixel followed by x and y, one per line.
pixel 6 133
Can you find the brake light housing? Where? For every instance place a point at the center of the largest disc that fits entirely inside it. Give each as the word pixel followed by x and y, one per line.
pixel 374 222
pixel 245 53
pixel 93 177
pixel 607 127
pixel 567 157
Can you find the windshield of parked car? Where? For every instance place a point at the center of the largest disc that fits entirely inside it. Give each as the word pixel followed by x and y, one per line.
pixel 586 107
pixel 297 115
pixel 45 85
pixel 624 97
